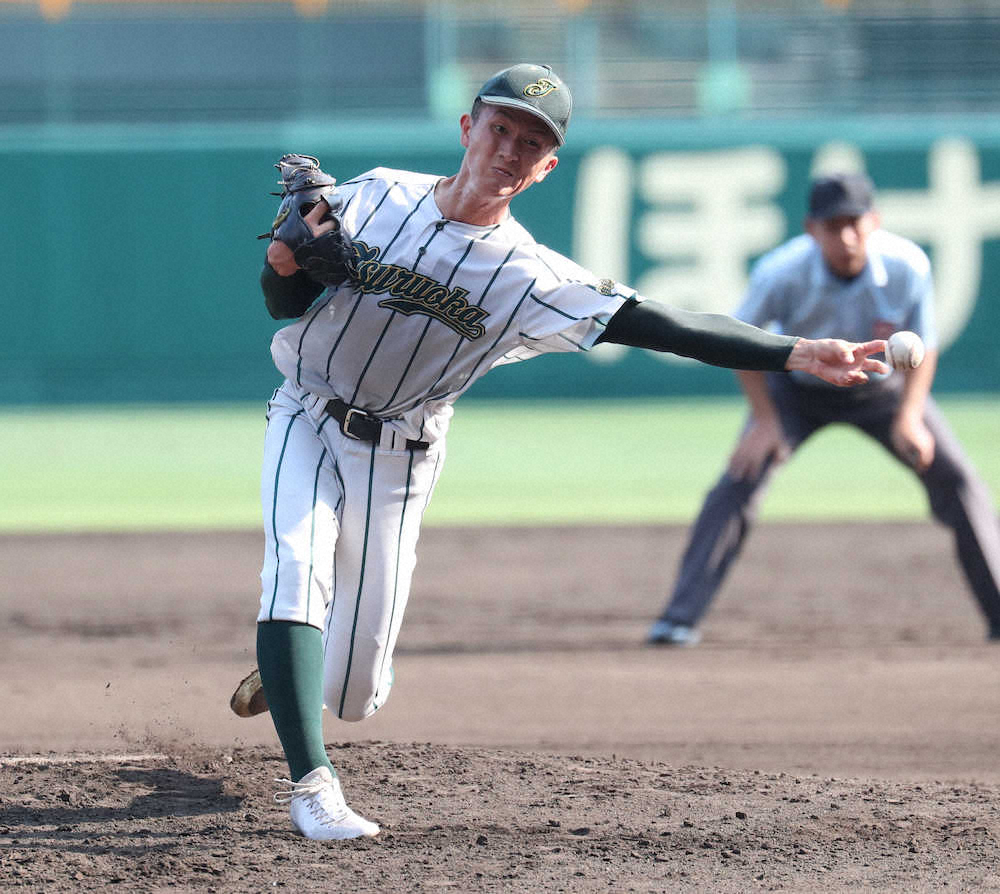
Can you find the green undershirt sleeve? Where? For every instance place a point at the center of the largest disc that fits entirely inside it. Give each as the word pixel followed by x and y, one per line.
pixel 287 297
pixel 715 339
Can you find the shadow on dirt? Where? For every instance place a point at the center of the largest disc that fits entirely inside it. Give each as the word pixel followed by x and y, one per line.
pixel 142 794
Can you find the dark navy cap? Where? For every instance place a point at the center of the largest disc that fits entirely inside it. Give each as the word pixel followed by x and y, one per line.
pixel 536 89
pixel 841 195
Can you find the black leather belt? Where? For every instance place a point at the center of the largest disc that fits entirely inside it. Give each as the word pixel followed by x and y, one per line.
pixel 359 425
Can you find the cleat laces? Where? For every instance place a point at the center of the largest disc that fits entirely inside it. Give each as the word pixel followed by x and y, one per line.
pixel 322 800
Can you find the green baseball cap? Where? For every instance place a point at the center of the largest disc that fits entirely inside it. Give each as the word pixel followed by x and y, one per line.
pixel 536 89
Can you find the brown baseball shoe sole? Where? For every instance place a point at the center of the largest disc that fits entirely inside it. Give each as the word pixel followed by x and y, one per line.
pixel 249 700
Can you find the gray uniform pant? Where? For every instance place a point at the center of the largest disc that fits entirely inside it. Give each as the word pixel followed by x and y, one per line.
pixel 958 496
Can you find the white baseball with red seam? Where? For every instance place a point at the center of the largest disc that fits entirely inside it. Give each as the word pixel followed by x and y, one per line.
pixel 904 350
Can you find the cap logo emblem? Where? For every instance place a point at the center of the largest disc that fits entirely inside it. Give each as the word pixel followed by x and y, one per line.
pixel 606 286
pixel 541 87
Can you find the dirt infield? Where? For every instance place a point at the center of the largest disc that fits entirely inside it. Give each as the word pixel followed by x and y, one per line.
pixel 838 727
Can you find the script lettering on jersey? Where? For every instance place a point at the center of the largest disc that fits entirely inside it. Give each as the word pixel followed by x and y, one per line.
pixel 414 293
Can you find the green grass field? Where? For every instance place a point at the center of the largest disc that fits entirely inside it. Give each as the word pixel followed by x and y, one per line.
pixel 133 468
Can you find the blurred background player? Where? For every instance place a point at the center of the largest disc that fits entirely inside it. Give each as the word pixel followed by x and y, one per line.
pixel 847 276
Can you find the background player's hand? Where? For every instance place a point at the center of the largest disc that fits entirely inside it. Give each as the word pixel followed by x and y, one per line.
pixel 912 441
pixel 762 440
pixel 837 361
pixel 280 256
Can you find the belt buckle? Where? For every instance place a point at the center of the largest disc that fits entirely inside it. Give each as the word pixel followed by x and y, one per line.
pixel 346 424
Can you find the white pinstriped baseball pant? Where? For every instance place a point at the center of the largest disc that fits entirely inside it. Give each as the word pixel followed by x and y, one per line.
pixel 341 518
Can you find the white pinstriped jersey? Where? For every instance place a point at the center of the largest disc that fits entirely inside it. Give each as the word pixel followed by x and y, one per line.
pixel 792 289
pixel 435 305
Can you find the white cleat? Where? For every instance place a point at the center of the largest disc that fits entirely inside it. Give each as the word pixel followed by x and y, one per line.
pixel 318 808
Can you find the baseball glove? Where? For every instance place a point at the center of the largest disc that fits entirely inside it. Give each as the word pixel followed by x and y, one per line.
pixel 326 258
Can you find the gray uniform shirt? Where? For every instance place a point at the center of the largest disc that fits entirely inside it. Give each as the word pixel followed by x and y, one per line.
pixel 793 291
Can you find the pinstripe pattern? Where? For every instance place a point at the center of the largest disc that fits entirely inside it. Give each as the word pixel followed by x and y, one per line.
pixel 311 319
pixel 319 308
pixel 567 339
pixel 432 305
pixel 357 303
pixel 392 316
pixel 395 578
pixel 510 320
pixel 430 309
pixel 312 531
pixel 479 303
pixel 274 509
pixel 423 334
pixel 437 471
pixel 361 583
pixel 553 308
pixel 541 260
pixel 327 626
pixel 343 332
pixel 374 211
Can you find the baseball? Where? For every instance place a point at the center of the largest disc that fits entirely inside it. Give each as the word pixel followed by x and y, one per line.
pixel 904 350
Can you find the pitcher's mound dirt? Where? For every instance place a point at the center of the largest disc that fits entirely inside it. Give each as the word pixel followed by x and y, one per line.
pixel 473 819
pixel 832 732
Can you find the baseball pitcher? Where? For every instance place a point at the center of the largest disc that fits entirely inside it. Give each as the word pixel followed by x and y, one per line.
pixel 407 288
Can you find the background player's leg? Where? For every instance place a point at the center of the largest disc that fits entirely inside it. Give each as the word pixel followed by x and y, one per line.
pixel 960 499
pixel 299 493
pixel 385 494
pixel 715 541
pixel 721 528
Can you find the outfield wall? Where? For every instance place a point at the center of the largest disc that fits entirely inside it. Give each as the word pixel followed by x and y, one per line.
pixel 130 269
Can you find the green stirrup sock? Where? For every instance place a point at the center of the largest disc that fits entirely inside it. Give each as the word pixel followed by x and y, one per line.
pixel 290 658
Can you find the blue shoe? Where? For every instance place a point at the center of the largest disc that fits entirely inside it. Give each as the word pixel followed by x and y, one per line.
pixel 667 633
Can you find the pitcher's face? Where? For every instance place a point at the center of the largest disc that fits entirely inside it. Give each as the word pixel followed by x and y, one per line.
pixel 507 150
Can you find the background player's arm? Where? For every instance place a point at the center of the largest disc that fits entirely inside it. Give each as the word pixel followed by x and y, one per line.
pixel 763 438
pixel 910 435
pixel 722 340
